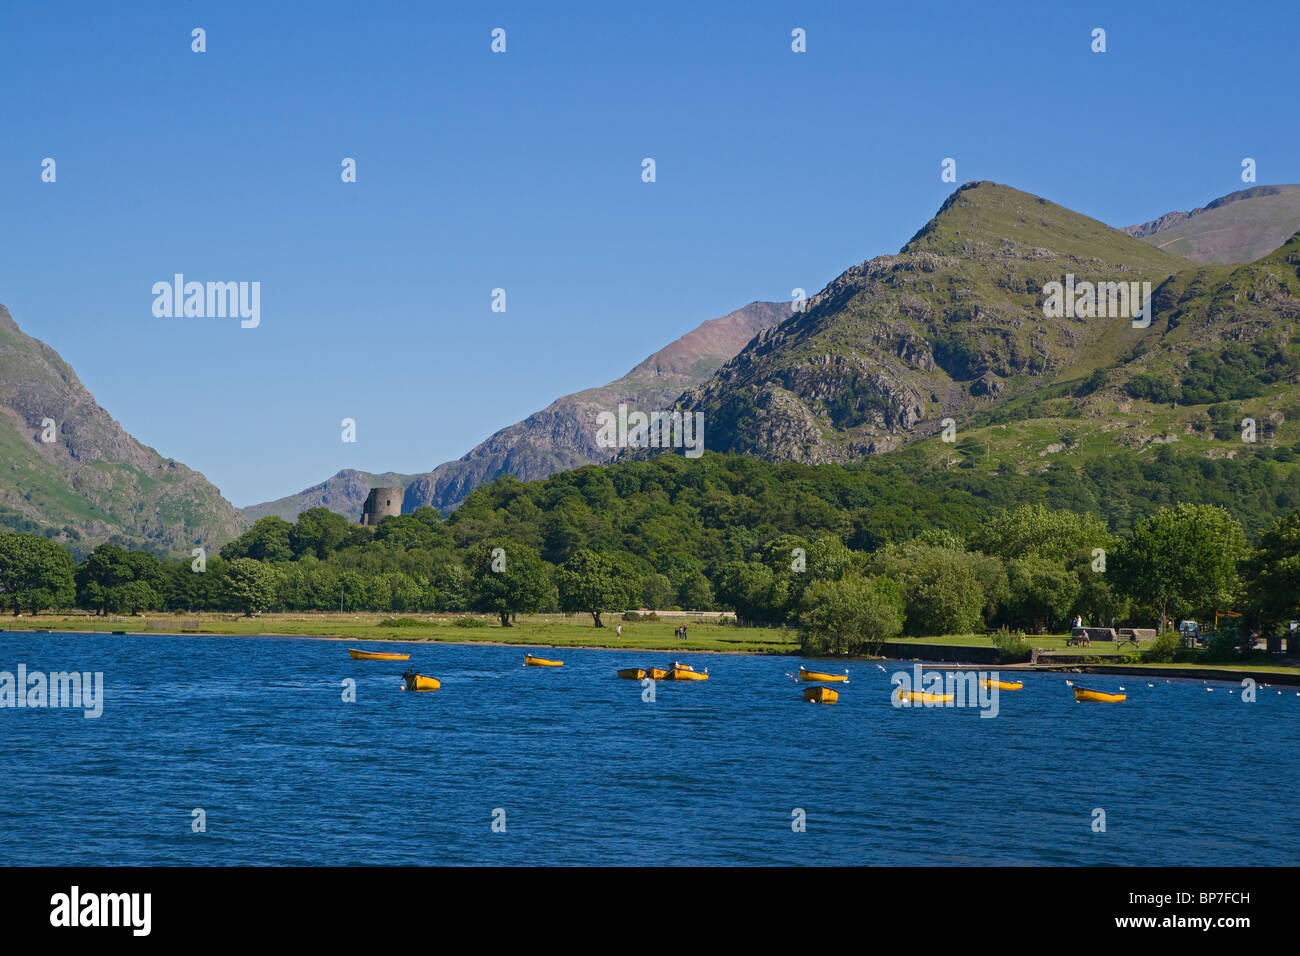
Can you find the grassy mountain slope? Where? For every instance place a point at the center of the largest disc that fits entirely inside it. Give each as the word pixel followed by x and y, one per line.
pixel 94 482
pixel 950 326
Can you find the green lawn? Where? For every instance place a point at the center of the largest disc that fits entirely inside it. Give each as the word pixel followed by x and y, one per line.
pixel 539 629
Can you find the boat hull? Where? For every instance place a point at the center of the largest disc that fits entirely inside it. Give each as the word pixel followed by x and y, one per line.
pixel 632 673
pixel 921 697
pixel 1083 695
pixel 657 673
pixel 989 684
pixel 821 678
pixel 377 656
pixel 678 674
pixel 420 682
pixel 820 695
pixel 531 661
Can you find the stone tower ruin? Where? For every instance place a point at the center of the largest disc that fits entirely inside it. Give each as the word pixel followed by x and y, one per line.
pixel 380 503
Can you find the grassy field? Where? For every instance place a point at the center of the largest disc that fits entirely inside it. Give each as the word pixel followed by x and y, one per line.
pixel 539 629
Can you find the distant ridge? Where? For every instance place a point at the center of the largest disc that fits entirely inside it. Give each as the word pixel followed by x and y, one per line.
pixel 1237 228
pixel 560 437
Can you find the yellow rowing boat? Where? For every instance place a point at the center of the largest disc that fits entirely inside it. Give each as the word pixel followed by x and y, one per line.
pixel 990 683
pixel 679 673
pixel 819 677
pixel 633 673
pixel 1082 694
pixel 531 661
pixel 820 695
pixel 657 673
pixel 416 681
pixel 922 697
pixel 377 656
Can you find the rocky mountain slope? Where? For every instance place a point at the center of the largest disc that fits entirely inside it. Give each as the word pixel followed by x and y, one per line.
pixel 953 328
pixel 1237 228
pixel 557 438
pixel 92 481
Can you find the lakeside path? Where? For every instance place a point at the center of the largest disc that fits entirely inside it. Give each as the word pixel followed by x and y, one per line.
pixel 706 635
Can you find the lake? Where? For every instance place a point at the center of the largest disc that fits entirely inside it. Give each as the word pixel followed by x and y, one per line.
pixel 255 733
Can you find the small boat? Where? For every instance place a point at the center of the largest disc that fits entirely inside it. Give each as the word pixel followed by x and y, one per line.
pixel 990 683
pixel 819 677
pixel 681 667
pixel 922 697
pixel 678 673
pixel 1083 694
pixel 657 673
pixel 820 695
pixel 377 656
pixel 530 661
pixel 633 673
pixel 416 681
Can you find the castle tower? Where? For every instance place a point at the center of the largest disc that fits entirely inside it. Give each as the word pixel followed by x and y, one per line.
pixel 380 503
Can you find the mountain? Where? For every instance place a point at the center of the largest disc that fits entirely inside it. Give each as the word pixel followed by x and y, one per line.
pixel 560 437
pixel 954 327
pixel 1237 228
pixel 92 482
pixel 343 494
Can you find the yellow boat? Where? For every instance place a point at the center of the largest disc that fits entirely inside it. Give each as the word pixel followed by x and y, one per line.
pixel 820 695
pixel 657 673
pixel 633 673
pixel 678 673
pixel 531 661
pixel 990 683
pixel 377 656
pixel 1083 694
pixel 922 697
pixel 818 676
pixel 681 667
pixel 416 681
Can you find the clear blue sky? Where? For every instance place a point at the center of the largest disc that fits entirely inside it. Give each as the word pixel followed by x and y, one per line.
pixel 523 171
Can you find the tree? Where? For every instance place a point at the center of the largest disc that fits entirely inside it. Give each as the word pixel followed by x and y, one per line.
pixel 101 577
pixel 696 593
pixel 250 585
pixel 1032 531
pixel 590 583
pixel 35 574
pixel 266 540
pixel 942 593
pixel 1042 593
pixel 850 615
pixel 1273 573
pixel 657 592
pixel 1183 560
pixel 318 531
pixel 506 579
pixel 753 590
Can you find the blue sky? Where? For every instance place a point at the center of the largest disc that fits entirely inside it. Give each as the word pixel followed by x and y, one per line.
pixel 522 171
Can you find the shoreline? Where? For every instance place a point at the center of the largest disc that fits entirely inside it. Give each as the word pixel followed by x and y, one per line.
pixel 1174 672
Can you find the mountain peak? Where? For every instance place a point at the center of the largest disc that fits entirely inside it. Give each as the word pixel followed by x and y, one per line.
pixel 983 218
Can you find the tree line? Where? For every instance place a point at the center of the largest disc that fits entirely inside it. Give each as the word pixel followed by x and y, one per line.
pixel 848 555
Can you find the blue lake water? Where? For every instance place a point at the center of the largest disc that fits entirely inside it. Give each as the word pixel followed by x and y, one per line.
pixel 255 732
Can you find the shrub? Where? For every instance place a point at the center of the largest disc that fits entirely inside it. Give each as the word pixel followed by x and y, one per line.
pixel 1012 646
pixel 1164 648
pixel 400 622
pixel 469 622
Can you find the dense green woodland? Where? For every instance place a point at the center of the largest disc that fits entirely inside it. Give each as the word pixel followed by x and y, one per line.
pixel 850 555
